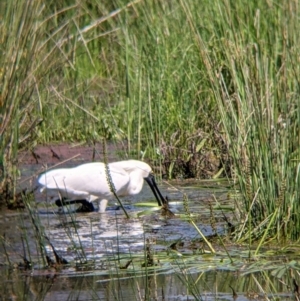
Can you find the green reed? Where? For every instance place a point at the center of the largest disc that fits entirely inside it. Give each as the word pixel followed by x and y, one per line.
pixel 253 75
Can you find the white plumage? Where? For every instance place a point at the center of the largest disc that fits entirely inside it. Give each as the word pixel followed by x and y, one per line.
pixel 89 182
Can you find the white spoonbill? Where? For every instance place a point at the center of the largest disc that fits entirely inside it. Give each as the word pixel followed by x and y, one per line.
pixel 88 182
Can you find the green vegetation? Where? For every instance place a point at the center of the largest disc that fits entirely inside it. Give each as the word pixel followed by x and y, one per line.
pixel 206 89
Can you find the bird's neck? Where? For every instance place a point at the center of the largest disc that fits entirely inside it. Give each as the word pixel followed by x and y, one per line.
pixel 136 183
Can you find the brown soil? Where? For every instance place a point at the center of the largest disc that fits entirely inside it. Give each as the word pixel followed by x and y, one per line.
pixel 70 154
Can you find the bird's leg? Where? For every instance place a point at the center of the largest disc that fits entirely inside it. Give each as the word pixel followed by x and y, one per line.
pixel 86 206
pixel 102 205
pixel 63 202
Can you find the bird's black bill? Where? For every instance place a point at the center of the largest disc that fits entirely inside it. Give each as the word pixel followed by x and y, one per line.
pixel 151 182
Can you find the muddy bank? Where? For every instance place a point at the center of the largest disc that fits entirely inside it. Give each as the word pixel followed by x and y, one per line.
pixel 71 154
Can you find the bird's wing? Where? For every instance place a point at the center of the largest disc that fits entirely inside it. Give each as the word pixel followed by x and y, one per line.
pixel 51 179
pixel 95 181
pixel 88 180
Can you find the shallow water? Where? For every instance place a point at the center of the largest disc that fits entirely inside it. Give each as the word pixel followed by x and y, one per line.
pixel 98 246
pixel 212 285
pixel 102 234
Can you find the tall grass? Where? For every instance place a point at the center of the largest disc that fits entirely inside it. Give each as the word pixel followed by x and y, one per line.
pixel 252 64
pixel 19 33
pixel 43 85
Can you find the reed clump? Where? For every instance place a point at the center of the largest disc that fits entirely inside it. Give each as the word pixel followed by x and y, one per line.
pixel 252 66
